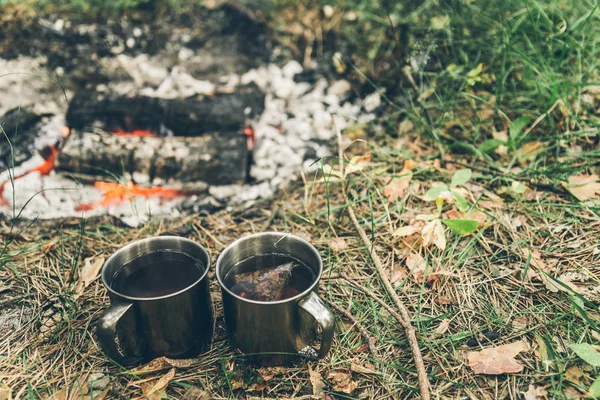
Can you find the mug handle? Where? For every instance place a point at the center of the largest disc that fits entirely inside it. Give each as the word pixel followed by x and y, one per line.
pixel 313 305
pixel 106 329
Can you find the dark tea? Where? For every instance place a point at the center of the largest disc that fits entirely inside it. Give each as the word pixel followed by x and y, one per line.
pixel 156 274
pixel 269 277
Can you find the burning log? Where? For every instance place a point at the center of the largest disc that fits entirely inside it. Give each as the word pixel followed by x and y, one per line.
pixel 214 158
pixel 179 117
pixel 20 126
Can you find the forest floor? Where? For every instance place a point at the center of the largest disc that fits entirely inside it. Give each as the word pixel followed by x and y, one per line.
pixel 480 194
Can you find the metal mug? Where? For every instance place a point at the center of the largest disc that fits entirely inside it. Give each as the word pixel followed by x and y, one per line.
pixel 176 325
pixel 276 332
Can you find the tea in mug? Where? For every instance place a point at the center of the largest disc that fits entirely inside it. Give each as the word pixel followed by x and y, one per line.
pixel 269 277
pixel 158 273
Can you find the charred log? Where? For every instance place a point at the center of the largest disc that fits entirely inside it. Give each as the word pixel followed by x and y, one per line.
pixel 18 134
pixel 187 117
pixel 218 158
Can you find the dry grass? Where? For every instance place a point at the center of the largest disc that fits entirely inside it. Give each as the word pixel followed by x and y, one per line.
pixel 483 290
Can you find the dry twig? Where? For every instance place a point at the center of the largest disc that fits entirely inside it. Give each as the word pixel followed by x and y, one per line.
pixel 363 331
pixel 404 319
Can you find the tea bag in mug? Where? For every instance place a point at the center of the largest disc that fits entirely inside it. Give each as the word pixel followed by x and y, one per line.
pixel 267 284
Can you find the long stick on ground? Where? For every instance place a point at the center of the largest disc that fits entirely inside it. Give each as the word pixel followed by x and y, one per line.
pixel 409 330
pixel 363 331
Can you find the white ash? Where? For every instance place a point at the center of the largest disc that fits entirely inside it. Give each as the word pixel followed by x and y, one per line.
pixel 297 127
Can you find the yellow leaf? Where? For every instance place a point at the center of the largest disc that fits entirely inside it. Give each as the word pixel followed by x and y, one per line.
pixel 358 163
pixel 406 231
pixel 583 187
pixel 497 360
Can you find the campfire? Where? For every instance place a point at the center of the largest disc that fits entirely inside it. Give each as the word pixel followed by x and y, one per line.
pixel 166 143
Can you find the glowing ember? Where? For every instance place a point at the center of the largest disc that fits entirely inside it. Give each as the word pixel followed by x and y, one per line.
pixel 44 169
pixel 115 193
pixel 248 131
pixel 136 132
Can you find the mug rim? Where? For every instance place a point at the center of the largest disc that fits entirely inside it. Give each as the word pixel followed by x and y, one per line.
pixel 281 235
pixel 153 239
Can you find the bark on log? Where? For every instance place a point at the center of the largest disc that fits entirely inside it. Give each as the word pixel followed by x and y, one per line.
pixel 217 158
pixel 182 117
pixel 21 126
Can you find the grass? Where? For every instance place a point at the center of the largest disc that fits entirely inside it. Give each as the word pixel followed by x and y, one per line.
pixel 484 289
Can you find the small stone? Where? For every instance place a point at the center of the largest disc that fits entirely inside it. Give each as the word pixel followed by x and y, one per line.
pixel 328 11
pixel 137 32
pixel 130 43
pixel 283 87
pixel 291 68
pixel 185 54
pixel 59 25
pixel 372 102
pixel 340 88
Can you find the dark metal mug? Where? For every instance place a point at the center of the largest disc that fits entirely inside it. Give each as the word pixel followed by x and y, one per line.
pixel 176 325
pixel 276 332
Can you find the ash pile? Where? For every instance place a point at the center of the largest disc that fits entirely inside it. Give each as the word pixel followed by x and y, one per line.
pixel 192 127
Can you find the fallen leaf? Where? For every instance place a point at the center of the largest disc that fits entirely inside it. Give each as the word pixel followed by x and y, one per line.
pixel 396 189
pixel 147 388
pixel 161 384
pixel 397 274
pixel 443 327
pixel 535 392
pixel 433 232
pixel 161 363
pixel 88 273
pixel 405 127
pixel 194 393
pixel 574 374
pixel 338 245
pixel 342 382
pixel 316 381
pixel 409 165
pixel 497 360
pixel 530 149
pixel 406 231
pixel 571 393
pixel 416 264
pixel 358 163
pixel 583 187
pixel 237 383
pixel 268 373
pixel 5 392
pixel 366 369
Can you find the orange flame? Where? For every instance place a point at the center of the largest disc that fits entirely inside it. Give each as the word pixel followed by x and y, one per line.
pixel 115 193
pixel 136 132
pixel 44 169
